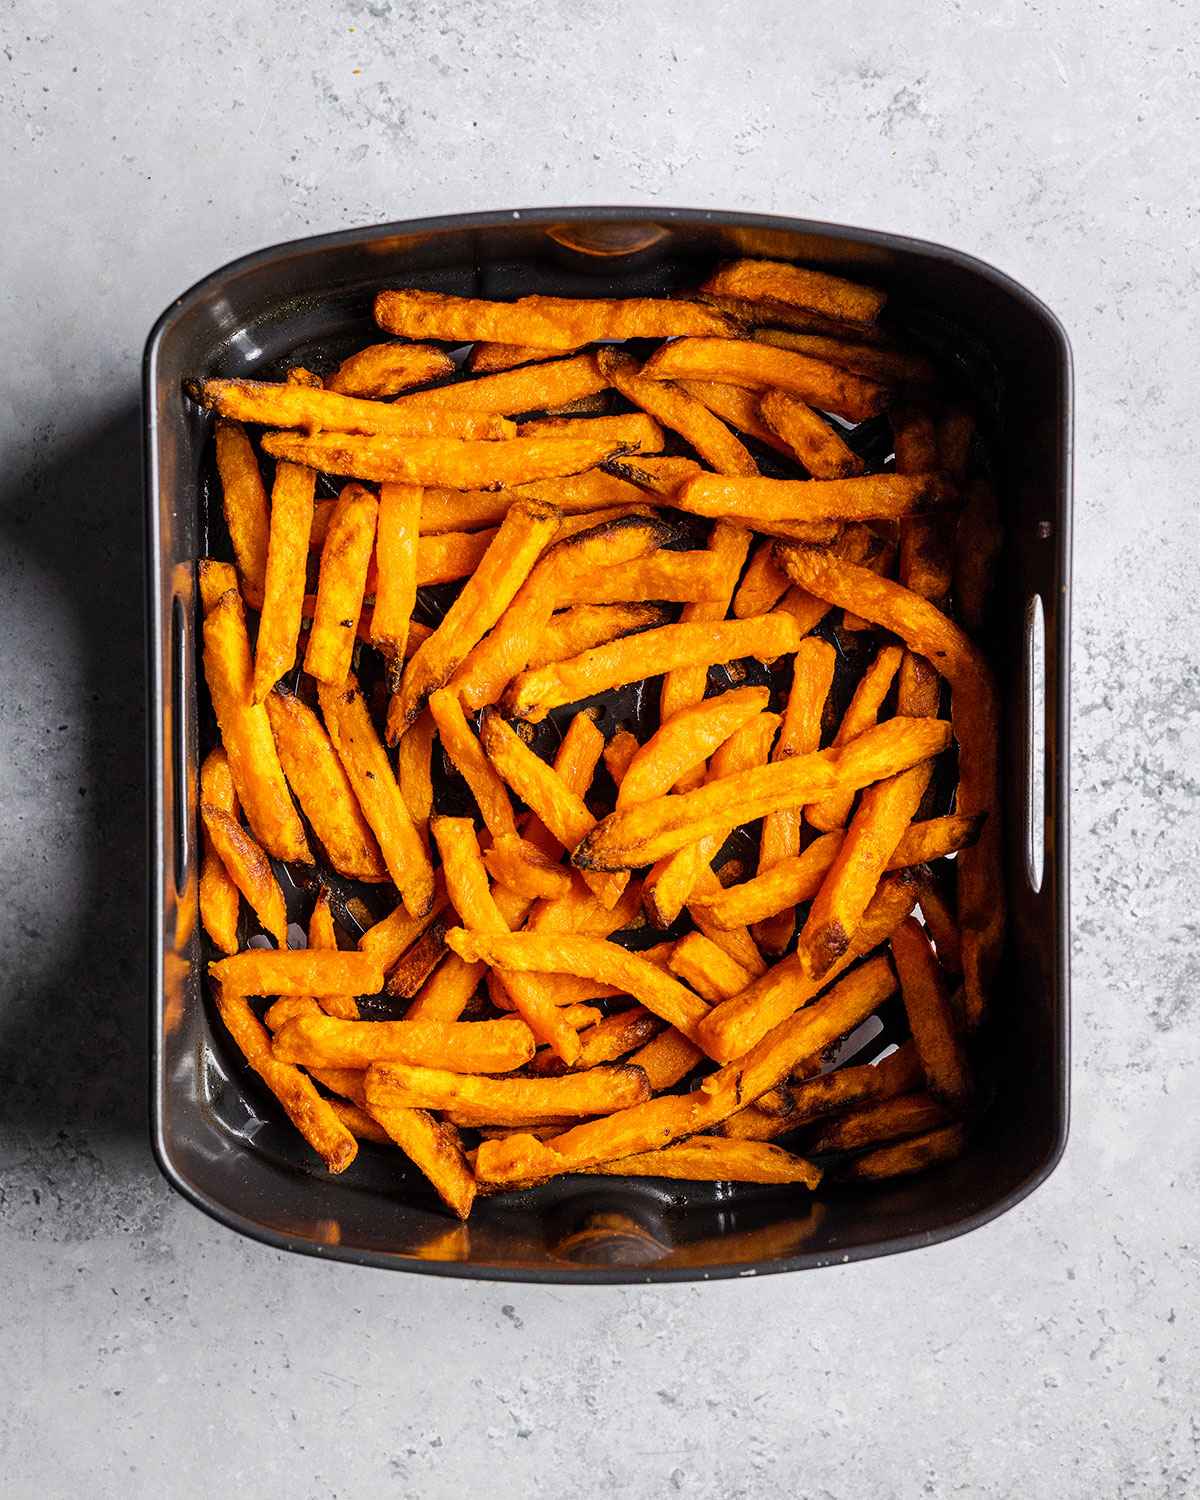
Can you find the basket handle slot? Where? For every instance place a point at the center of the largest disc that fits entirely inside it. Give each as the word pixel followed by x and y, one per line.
pixel 1036 741
pixel 181 648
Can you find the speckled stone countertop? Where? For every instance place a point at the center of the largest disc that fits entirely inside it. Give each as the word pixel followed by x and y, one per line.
pixel 148 1351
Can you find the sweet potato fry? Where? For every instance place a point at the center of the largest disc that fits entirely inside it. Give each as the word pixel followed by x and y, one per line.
pixel 312 1116
pixel 884 1120
pixel 388 369
pixel 450 555
pixel 658 477
pixel 362 1126
pixel 900 1073
pixel 410 972
pixel 575 762
pixel 460 744
pixel 485 596
pixel 464 1046
pixel 861 713
pixel 873 497
pixel 632 837
pixel 323 934
pixel 607 1040
pixel 345 557
pixel 590 958
pixel 434 1149
pixel 977 546
pixel 763 584
pixel 287 559
pixel 219 895
pixel 389 938
pixel 488 358
pixel 246 734
pixel 658 1122
pixel 547 322
pixel 396 552
pixel 915 1155
pixel 674 408
pixel 451 462
pixel 507 1101
pixel 667 1059
pixel 735 1026
pixel 467 886
pixel 580 911
pixel 575 494
pixel 683 577
pixel 619 753
pixel 687 740
pixel 636 431
pixel 780 282
pixel 249 868
pixel 273 404
pixel 939 918
pixel 520 865
pixel 708 969
pixel 370 773
pixel 287 1009
pixel 743 362
pixel 245 502
pixel 930 1016
pixel 737 405
pixel 216 578
pixel 534 693
pixel 414 771
pixel 323 789
pixel 585 626
pixel 736 941
pixel 809 437
pixel 889 366
pixel 534 388
pixel 974 712
pixel 447 991
pixel 709 1158
pixel 298 971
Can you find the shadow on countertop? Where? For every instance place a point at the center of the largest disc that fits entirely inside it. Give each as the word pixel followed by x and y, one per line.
pixel 73 1003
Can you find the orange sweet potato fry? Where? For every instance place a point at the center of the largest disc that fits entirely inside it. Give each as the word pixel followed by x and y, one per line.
pixel 667 1059
pixel 535 388
pixel 931 1018
pixel 585 626
pixel 763 584
pixel 287 559
pixel 391 937
pixel 764 501
pixel 781 282
pixel 249 868
pixel 434 1148
pixel 862 712
pixel 414 771
pixel 522 867
pixel 883 1120
pixel 507 1101
pixel 323 934
pixel 219 896
pixel 289 404
pixel 607 1040
pixel 619 753
pixel 465 1046
pixel 636 431
pixel 216 578
pixel 915 1155
pixel 460 744
pixel 710 971
pixel 345 557
pixel 682 577
pixel 245 501
pixel 889 366
pixel 409 973
pixel 687 740
pixel 388 369
pixel 396 548
pixel 488 358
pixel 809 437
pixel 706 1158
pixel 298 971
pixel 737 405
pixel 575 762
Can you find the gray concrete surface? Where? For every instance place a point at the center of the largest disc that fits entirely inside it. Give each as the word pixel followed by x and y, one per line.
pixel 148 1351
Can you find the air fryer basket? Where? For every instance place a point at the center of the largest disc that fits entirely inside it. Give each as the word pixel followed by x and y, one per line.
pixel 218 1137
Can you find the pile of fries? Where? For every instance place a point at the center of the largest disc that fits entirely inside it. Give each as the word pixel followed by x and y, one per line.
pixel 582 977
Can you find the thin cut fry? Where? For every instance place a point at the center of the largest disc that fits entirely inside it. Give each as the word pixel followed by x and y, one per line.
pixel 460 744
pixel 219 894
pixel 886 1120
pixel 536 388
pixel 585 626
pixel 396 551
pixel 298 971
pixel 445 510
pixel 526 529
pixel 797 286
pixel 434 1148
pixel 520 865
pixel 619 753
pixel 640 432
pixel 575 762
pixel 667 1059
pixel 394 934
pixel 465 1046
pixel 487 358
pixel 743 362
pixel 708 969
pixel 312 1116
pixel 930 1016
pixel 978 543
pixel 345 557
pixel 686 740
pixel 216 578
pixel 323 934
pixel 245 502
pixel 287 559
pixel 370 772
pixel 706 1158
pixel 287 1009
pixel 388 369
pixel 890 366
pixel 508 1101
pixel 249 868
pixel 547 322
pixel 246 734
pixel 289 405
pixel 736 405
pixel 916 1155
pixel 323 789
pixel 861 713
pixel 414 771
pixel 697 644
pixel 900 1073
pixel 809 437
pixel 683 577
pixel 763 584
pixel 447 991
pixel 410 972
pixel 873 497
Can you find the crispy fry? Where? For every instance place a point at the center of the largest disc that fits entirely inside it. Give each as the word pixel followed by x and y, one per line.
pixel 312 1116
pixel 632 837
pixel 487 358
pixel 272 404
pixel 978 543
pixel 298 971
pixel 862 712
pixel 450 462
pixel 737 405
pixel 323 934
pixel 536 388
pixel 447 991
pixel 397 567
pixel 686 740
pixel 467 885
pixel 876 496
pixel 410 972
pixel 658 477
pixel 619 753
pixel 465 1046
pixel 287 1009
pixel 283 594
pixel 520 865
pixel 394 934
pixel 245 502
pixel 708 1158
pixel 900 1073
pixel 434 1148
pixel 414 770
pixel 360 1124
pixel 576 494
pixel 684 577
pixel 219 894
pixel 216 578
pixel 708 969
pixel 674 408
pixel 508 1101
pixel 580 911
pixel 925 542
pixel 697 644
pixel 249 868
pixel 889 366
pixel 809 437
pixel 939 918
pixel 763 584
pixel 736 941
pixel 885 1120
pixel 930 1016
pixel 743 362
pixel 885 811
pixel 345 557
pixel 388 369
pixel 667 1059
pixel 323 789
pixel 607 1040
pixel 460 744
pixel 575 762
pixel 585 626
pixel 370 772
pixel 547 322
pixel 974 712
pixel 658 1122
pixel 736 1025
pixel 780 282
pixel 639 432
pixel 246 734
pixel 915 1155
pixel 526 529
